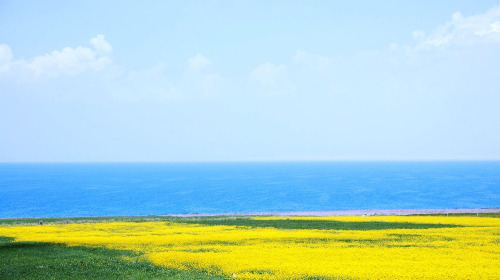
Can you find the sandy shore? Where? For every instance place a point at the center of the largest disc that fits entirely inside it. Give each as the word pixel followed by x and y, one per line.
pixel 373 212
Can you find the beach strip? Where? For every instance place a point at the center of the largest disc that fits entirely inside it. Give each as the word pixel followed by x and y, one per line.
pixel 369 212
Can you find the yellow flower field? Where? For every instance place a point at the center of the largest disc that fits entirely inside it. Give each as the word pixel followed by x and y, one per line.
pixel 471 251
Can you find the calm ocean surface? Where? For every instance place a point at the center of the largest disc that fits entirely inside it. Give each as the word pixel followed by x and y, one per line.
pixel 51 190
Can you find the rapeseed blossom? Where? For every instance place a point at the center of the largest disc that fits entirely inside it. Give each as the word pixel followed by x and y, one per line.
pixel 471 251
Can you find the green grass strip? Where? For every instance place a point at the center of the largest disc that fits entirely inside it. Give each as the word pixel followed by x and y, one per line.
pixel 237 221
pixel 38 260
pixel 317 224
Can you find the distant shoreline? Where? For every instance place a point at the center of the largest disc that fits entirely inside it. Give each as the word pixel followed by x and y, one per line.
pixel 332 213
pixel 368 212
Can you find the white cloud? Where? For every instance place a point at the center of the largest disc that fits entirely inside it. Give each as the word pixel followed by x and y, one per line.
pixel 274 78
pixel 198 62
pixel 68 61
pixel 418 35
pixel 269 74
pixel 493 29
pixel 481 28
pixel 201 83
pixel 5 57
pixel 100 44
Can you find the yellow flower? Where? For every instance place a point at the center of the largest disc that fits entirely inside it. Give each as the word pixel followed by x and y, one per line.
pixel 471 251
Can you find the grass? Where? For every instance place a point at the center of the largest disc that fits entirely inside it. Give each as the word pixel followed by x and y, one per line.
pixel 72 220
pixel 38 260
pixel 315 224
pixel 237 221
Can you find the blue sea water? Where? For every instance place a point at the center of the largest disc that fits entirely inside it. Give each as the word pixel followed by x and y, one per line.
pixel 104 189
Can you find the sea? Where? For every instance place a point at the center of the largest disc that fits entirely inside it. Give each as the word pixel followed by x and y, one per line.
pixel 122 189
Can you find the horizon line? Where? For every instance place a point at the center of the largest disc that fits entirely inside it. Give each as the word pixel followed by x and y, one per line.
pixel 256 161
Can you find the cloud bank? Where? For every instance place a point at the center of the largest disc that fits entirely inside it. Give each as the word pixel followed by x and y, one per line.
pixel 198 62
pixel 460 30
pixel 66 62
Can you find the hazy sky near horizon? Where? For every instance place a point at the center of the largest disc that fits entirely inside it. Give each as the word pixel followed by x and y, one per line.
pixel 249 80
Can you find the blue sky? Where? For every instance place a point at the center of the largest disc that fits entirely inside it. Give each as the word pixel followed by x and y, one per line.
pixel 249 80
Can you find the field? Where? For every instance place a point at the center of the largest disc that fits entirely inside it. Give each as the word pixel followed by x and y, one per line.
pixel 266 247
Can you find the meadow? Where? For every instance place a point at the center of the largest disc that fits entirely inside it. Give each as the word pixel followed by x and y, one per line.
pixel 246 247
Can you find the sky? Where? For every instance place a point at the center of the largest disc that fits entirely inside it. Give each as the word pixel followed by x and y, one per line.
pixel 108 81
